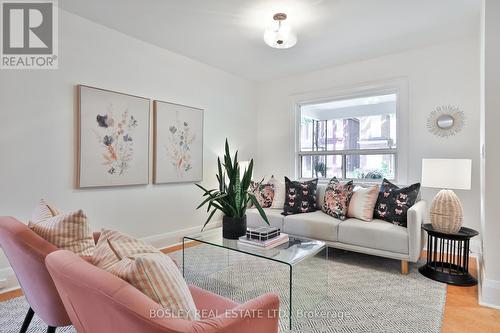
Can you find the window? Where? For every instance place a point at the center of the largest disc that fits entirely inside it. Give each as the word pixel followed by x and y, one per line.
pixel 351 138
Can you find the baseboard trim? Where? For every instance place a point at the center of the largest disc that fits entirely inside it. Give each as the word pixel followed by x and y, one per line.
pixel 172 238
pixel 488 290
pixel 8 280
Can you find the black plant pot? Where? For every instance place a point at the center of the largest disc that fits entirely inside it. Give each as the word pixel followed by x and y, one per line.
pixel 234 227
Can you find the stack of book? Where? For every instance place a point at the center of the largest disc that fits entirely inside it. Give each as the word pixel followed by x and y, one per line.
pixel 264 237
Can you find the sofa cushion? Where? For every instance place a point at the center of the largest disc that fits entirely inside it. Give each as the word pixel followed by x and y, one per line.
pixel 363 202
pixel 264 193
pixel 300 196
pixel 376 234
pixel 66 231
pixel 337 197
pixel 393 202
pixel 43 211
pixel 320 195
pixel 112 245
pixel 315 225
pixel 156 275
pixel 279 193
pixel 273 215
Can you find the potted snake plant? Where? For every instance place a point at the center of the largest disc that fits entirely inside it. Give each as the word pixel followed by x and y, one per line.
pixel 231 197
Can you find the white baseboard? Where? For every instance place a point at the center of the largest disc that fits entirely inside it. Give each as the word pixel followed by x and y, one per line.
pixel 8 280
pixel 167 239
pixel 488 290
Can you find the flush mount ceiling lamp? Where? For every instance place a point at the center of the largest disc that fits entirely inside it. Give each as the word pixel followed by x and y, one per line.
pixel 280 36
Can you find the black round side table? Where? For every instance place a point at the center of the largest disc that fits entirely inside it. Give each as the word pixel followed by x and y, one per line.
pixel 448 256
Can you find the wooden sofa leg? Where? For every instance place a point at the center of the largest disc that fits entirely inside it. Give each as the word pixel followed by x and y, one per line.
pixel 404 267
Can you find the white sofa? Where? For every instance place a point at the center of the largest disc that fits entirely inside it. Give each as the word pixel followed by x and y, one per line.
pixel 376 237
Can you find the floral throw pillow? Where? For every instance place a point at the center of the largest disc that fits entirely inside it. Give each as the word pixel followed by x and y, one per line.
pixel 263 192
pixel 337 198
pixel 300 197
pixel 393 202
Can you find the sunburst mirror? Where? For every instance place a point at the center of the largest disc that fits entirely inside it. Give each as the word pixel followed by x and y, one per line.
pixel 445 120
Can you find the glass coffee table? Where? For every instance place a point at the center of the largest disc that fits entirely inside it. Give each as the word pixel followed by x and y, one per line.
pixel 291 254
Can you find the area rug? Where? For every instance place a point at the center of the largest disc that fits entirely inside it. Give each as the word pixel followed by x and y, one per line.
pixel 360 293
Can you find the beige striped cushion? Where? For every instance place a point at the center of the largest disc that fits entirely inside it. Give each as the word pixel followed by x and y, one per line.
pixel 43 211
pixel 157 276
pixel 66 231
pixel 113 245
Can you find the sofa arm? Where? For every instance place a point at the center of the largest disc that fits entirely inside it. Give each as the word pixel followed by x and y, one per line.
pixel 260 314
pixel 415 219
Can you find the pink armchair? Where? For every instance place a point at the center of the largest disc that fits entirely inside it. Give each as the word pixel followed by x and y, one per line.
pixel 99 302
pixel 26 252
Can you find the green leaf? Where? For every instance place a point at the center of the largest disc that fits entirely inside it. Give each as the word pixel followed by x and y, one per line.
pixel 247 177
pixel 217 206
pixel 220 177
pixel 204 189
pixel 209 218
pixel 215 199
pixel 227 159
pixel 235 163
pixel 237 189
pixel 259 208
pixel 204 202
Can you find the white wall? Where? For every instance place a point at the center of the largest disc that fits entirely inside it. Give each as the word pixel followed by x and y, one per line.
pixel 442 74
pixel 490 163
pixel 38 130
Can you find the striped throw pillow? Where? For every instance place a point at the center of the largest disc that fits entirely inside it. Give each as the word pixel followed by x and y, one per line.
pixel 114 245
pixel 43 211
pixel 157 276
pixel 66 231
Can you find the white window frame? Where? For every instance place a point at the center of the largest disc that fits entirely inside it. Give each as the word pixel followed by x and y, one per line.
pixel 395 86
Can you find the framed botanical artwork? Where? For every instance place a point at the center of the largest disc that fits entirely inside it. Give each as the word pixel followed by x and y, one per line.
pixel 113 138
pixel 178 143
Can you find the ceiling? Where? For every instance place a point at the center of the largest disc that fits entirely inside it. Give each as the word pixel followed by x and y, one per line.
pixel 227 34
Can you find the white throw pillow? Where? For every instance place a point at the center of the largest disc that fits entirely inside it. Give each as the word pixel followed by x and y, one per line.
pixel 363 202
pixel 279 193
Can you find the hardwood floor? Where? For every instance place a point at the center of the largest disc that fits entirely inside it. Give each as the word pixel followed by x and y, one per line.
pixel 462 312
pixel 10 294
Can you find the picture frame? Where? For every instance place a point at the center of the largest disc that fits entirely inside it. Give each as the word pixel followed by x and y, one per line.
pixel 113 138
pixel 177 143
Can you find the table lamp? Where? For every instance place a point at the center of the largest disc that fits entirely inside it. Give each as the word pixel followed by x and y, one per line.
pixel 446 209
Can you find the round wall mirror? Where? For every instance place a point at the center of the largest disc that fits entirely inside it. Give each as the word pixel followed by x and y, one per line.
pixel 445 121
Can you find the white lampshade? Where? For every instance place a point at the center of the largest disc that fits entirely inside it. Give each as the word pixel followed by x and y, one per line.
pixel 280 34
pixel 447 173
pixel 280 38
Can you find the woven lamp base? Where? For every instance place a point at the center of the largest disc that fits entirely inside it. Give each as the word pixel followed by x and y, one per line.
pixel 446 212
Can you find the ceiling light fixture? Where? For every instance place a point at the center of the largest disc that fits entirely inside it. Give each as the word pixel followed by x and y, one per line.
pixel 280 36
